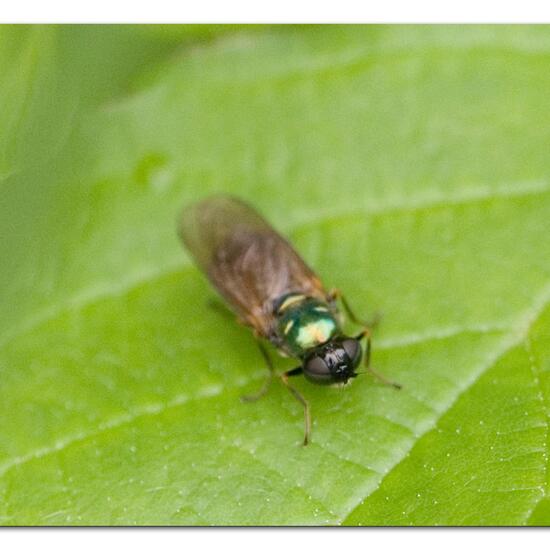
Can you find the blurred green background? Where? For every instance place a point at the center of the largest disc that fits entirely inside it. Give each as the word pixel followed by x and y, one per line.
pixel 410 167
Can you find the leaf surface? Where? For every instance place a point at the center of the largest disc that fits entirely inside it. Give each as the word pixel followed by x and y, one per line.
pixel 408 165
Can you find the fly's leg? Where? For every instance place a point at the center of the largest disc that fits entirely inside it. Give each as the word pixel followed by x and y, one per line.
pixel 336 294
pixel 366 334
pixel 263 390
pixel 301 399
pixel 271 369
pixel 223 310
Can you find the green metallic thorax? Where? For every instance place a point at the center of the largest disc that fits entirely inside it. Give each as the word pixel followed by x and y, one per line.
pixel 304 323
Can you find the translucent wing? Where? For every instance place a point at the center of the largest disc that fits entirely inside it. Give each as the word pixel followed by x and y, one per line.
pixel 248 262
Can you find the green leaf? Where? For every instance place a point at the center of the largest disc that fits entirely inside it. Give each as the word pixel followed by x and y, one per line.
pixel 409 165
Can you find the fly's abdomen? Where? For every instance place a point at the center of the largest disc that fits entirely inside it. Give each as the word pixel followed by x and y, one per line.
pixel 304 323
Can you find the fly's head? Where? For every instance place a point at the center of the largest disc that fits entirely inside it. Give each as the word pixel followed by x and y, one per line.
pixel 334 362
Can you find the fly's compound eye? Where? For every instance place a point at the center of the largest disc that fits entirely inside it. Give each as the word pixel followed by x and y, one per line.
pixel 317 371
pixel 353 350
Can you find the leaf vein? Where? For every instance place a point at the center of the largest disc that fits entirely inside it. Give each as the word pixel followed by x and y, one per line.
pixel 520 333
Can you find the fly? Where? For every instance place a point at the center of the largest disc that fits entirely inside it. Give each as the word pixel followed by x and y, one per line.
pixel 273 291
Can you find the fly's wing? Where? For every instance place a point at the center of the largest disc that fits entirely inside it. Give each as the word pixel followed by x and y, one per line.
pixel 247 261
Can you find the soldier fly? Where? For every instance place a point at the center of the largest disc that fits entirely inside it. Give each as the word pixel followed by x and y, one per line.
pixel 272 291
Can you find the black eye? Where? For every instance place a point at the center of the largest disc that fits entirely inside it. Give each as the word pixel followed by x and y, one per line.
pixel 316 365
pixel 353 350
pixel 317 371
